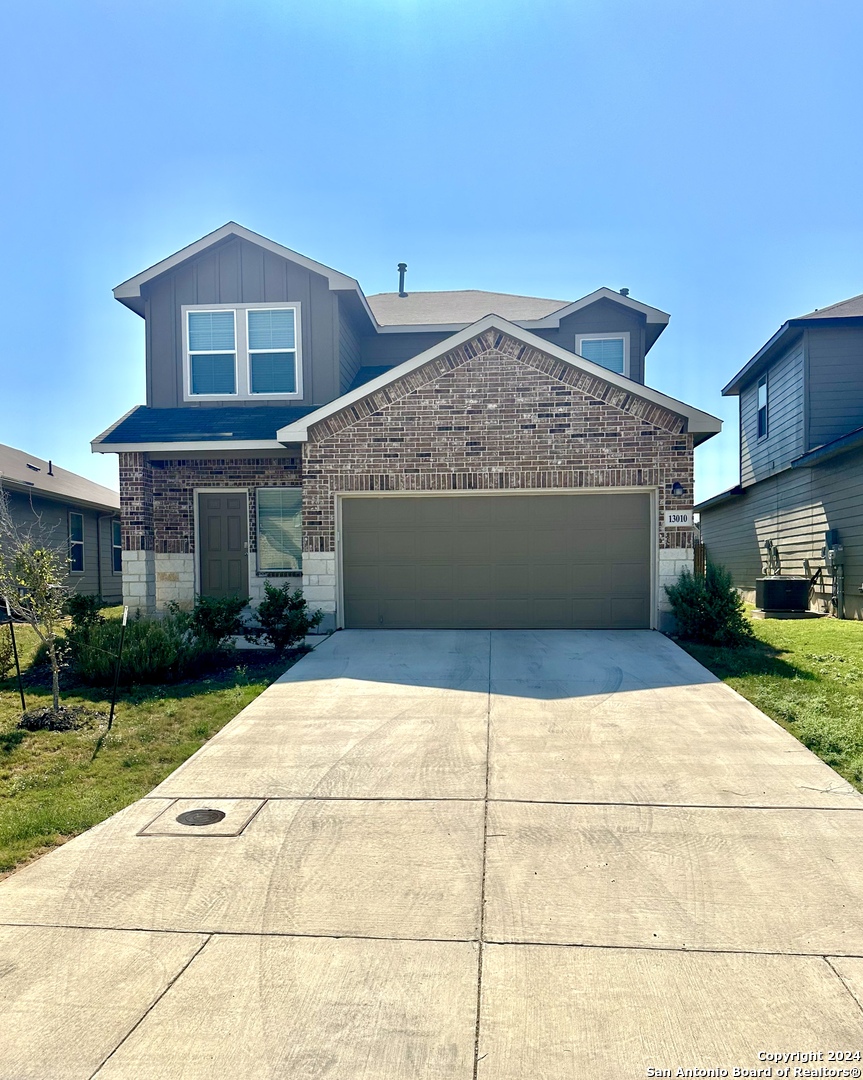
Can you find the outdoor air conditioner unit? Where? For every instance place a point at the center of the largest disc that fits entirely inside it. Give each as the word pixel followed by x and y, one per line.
pixel 782 593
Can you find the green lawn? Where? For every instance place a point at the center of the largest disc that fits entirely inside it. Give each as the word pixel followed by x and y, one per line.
pixel 54 785
pixel 808 676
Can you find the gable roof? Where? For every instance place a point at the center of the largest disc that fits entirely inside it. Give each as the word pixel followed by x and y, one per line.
pixel 699 423
pixel 845 309
pixel 464 306
pixel 21 471
pixel 242 427
pixel 129 292
pixel 785 335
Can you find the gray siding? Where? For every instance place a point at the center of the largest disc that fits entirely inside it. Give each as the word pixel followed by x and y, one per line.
pixel 238 272
pixel 383 350
pixel 604 317
pixel 835 358
pixel 794 508
pixel 350 358
pixel 785 423
pixel 97 549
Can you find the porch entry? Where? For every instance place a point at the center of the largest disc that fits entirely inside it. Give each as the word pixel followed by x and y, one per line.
pixel 223 535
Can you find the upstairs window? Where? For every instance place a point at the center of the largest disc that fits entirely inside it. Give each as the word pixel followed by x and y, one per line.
pixel 243 351
pixel 212 352
pixel 76 543
pixel 608 350
pixel 272 351
pixel 762 407
pixel 116 547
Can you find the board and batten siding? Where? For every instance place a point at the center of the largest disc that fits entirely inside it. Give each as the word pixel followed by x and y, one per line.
pixel 238 272
pixel 350 360
pixel 835 358
pixel 760 458
pixel 794 509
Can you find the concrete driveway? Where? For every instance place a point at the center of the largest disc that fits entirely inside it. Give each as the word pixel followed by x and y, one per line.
pixel 448 855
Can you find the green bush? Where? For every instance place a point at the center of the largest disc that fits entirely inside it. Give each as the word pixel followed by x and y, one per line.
pixel 214 620
pixel 7 656
pixel 154 651
pixel 284 618
pixel 84 609
pixel 709 609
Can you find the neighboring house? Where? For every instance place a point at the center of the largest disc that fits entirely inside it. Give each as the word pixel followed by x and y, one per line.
pixel 441 459
pixel 801 459
pixel 81 518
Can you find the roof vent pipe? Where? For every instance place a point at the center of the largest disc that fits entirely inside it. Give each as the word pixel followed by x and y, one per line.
pixel 624 292
pixel 50 468
pixel 402 270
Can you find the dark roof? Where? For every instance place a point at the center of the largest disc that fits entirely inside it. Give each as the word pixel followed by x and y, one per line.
pixel 366 374
pixel 716 500
pixel 27 472
pixel 853 440
pixel 201 424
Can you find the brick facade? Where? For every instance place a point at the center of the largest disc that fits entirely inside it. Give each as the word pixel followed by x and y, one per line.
pixel 495 414
pixel 157 512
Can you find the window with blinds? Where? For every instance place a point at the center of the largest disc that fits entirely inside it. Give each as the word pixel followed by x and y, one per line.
pixel 609 352
pixel 244 351
pixel 76 543
pixel 280 528
pixel 272 351
pixel 212 352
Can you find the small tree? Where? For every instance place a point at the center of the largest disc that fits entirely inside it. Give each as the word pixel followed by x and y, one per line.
pixel 33 581
pixel 709 609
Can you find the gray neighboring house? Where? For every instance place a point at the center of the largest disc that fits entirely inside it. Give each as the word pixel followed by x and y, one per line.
pixel 83 518
pixel 801 457
pixel 448 459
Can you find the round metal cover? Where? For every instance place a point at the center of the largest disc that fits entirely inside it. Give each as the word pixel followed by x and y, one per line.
pixel 201 817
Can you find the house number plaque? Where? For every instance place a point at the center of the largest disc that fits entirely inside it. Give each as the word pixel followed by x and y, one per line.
pixel 677 519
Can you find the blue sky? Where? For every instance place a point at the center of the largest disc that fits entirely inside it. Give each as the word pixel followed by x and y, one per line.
pixel 705 155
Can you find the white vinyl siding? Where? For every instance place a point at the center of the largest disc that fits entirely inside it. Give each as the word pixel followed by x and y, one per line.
pixel 242 352
pixel 280 529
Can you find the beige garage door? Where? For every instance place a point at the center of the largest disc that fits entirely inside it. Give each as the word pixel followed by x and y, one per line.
pixel 497 561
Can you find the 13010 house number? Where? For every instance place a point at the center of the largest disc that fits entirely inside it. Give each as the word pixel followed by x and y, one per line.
pixel 677 518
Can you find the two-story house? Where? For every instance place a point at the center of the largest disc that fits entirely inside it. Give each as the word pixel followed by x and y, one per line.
pixel 801 461
pixel 77 516
pixel 449 459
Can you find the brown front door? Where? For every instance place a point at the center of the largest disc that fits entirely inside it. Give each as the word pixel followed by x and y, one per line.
pixel 223 534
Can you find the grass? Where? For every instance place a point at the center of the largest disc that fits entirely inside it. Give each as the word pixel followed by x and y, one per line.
pixel 808 676
pixel 54 785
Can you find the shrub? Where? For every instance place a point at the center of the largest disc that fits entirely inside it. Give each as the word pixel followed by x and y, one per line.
pixel 709 609
pixel 154 650
pixel 7 656
pixel 284 618
pixel 84 609
pixel 214 620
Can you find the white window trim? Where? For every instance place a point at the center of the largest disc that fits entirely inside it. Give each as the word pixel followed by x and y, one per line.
pixel 258 568
pixel 116 547
pixel 83 570
pixel 242 366
pixel 763 381
pixel 579 338
pixel 188 353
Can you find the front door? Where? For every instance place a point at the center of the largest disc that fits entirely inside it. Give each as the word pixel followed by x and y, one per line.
pixel 223 533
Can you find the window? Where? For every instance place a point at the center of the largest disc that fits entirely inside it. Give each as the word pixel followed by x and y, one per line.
pixel 76 543
pixel 762 407
pixel 243 351
pixel 280 529
pixel 212 352
pixel 116 547
pixel 608 350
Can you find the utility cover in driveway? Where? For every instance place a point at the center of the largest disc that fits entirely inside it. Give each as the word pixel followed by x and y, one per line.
pixel 497 561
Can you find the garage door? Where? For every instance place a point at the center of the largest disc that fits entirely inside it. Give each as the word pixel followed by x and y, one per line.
pixel 497 561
